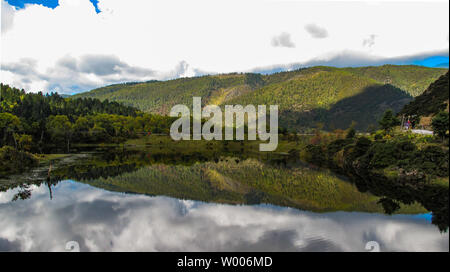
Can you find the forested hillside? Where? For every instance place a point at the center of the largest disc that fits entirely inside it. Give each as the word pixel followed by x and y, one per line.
pixel 432 101
pixel 160 96
pixel 412 79
pixel 332 96
pixel 30 121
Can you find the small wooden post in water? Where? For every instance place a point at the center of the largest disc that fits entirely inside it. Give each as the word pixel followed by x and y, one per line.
pixel 48 180
pixel 49 171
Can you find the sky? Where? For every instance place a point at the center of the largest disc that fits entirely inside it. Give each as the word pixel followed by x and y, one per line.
pixel 70 46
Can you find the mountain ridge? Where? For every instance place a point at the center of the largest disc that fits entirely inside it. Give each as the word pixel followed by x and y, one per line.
pixel 312 92
pixel 433 100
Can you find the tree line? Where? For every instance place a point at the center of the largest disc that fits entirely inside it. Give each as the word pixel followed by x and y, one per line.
pixel 32 120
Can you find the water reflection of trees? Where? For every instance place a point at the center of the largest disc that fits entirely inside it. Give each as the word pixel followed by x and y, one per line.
pixel 23 193
pixel 432 197
pixel 242 178
pixel 216 172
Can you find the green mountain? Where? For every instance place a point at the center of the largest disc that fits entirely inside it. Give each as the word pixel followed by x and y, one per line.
pixel 328 95
pixel 432 101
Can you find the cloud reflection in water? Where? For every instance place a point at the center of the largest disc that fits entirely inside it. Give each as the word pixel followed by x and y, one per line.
pixel 106 221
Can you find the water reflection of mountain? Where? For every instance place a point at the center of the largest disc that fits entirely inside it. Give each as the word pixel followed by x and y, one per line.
pixel 100 220
pixel 242 179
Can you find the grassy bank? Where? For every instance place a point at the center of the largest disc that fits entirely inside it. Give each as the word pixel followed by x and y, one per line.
pixel 286 143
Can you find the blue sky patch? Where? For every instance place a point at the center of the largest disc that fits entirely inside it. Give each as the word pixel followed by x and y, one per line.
pixel 435 61
pixel 47 3
pixel 426 216
pixel 95 3
pixel 21 3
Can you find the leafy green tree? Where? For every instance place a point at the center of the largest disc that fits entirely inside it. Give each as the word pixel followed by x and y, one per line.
pixel 440 124
pixel 98 133
pixel 388 121
pixel 24 141
pixel 9 124
pixel 351 132
pixel 60 129
pixel 81 128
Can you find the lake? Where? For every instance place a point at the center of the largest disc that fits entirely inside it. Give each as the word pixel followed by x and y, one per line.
pixel 145 200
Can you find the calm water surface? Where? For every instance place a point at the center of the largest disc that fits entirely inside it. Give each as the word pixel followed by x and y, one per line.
pixel 218 205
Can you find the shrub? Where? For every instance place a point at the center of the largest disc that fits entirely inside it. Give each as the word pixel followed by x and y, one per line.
pixel 432 159
pixel 379 135
pixel 13 161
pixel 351 133
pixel 316 154
pixel 357 150
pixel 440 124
pixel 382 154
pixel 388 121
pixel 336 146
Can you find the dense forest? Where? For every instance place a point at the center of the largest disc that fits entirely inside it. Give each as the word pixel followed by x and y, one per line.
pixel 392 149
pixel 31 121
pixel 433 100
pixel 334 97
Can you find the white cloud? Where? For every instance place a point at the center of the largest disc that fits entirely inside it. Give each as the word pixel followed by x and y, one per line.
pixel 71 74
pixel 349 58
pixel 218 36
pixel 370 41
pixel 7 16
pixel 316 31
pixel 283 40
